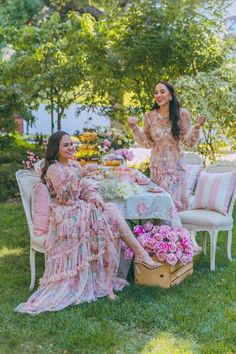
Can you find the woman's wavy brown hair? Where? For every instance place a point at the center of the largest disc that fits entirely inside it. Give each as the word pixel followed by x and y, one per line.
pixel 52 151
pixel 174 109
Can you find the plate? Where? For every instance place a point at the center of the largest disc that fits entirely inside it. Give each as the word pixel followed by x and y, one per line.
pixel 154 190
pixel 143 182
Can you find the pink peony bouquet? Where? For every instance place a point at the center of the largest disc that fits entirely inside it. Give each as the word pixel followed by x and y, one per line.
pixel 168 244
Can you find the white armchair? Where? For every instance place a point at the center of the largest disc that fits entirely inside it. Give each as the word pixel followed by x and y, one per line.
pixel 212 221
pixel 193 159
pixel 27 180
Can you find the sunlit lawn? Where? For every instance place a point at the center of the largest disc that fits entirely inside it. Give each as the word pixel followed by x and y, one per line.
pixel 198 316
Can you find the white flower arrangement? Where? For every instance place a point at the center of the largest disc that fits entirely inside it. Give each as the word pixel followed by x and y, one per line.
pixel 112 189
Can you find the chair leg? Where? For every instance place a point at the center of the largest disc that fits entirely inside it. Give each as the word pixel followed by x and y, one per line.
pixel 204 241
pixel 213 239
pixel 229 244
pixel 32 268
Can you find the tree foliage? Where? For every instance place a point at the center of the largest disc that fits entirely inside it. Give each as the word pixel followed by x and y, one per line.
pixel 153 40
pixel 111 53
pixel 212 94
pixel 50 62
pixel 20 12
pixel 13 101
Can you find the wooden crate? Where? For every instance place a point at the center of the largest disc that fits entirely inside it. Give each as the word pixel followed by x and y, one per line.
pixel 166 276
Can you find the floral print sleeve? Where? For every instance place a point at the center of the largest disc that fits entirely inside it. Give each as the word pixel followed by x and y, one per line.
pixel 62 185
pixel 88 193
pixel 143 135
pixel 188 135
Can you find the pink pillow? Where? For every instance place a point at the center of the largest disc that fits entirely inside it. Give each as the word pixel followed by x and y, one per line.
pixel 40 209
pixel 214 191
pixel 192 174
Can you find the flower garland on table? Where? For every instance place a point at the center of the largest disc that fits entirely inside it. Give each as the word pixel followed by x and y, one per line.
pixel 168 244
pixel 112 189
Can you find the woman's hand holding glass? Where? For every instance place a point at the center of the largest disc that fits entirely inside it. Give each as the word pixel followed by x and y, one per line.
pixel 132 122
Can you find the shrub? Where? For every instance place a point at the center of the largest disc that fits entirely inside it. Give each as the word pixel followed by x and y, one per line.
pixel 8 185
pixel 13 151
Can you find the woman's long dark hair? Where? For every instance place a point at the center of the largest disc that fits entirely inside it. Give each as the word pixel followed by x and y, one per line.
pixel 52 151
pixel 174 109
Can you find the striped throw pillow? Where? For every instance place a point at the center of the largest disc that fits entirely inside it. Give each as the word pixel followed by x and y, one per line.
pixel 214 191
pixel 192 174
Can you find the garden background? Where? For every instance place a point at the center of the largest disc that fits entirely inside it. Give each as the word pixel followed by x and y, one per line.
pixel 110 54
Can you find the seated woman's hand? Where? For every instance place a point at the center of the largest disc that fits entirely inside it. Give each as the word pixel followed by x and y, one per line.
pixel 88 170
pixel 99 203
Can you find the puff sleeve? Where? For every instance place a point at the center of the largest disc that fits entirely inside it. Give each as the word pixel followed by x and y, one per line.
pixel 143 135
pixel 189 136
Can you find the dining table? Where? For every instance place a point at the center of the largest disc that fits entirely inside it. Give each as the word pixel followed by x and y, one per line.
pixel 150 202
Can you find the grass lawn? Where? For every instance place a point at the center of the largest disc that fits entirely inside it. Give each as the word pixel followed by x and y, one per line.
pixel 198 316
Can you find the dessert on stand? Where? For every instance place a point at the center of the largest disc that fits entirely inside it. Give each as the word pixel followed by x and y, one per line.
pixel 87 149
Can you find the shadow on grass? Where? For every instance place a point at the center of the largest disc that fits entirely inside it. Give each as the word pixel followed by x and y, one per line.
pixel 195 317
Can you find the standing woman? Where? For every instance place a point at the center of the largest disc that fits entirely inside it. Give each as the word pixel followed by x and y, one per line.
pixel 166 126
pixel 82 245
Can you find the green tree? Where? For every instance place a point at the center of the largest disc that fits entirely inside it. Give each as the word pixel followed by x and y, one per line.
pixel 50 61
pixel 12 101
pixel 152 40
pixel 212 94
pixel 20 12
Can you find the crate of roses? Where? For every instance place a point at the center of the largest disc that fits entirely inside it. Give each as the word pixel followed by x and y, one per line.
pixel 171 246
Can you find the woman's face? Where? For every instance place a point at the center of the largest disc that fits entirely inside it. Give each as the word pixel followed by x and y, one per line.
pixel 66 149
pixel 162 95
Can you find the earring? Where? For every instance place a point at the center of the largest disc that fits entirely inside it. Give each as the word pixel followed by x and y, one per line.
pixel 170 98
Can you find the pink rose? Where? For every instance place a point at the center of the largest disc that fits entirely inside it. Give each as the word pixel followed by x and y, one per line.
pixel 150 244
pixel 148 226
pixel 172 247
pixel 187 258
pixel 164 246
pixel 155 229
pixel 106 143
pixel 158 237
pixel 171 259
pixel 184 241
pixel 179 246
pixel 179 254
pixel 161 255
pixel 172 236
pixel 138 229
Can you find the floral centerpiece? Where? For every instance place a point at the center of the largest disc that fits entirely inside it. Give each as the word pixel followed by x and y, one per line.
pixel 117 141
pixel 168 244
pixel 113 189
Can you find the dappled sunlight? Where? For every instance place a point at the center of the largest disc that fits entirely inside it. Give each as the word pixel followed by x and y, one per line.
pixel 6 252
pixel 166 342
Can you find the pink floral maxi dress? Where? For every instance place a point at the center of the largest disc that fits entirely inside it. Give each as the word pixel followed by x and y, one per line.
pixel 167 165
pixel 82 245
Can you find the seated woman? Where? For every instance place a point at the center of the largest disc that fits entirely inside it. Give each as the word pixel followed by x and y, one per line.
pixel 82 247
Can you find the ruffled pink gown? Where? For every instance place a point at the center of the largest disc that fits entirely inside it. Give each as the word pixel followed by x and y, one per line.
pixel 82 246
pixel 167 167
